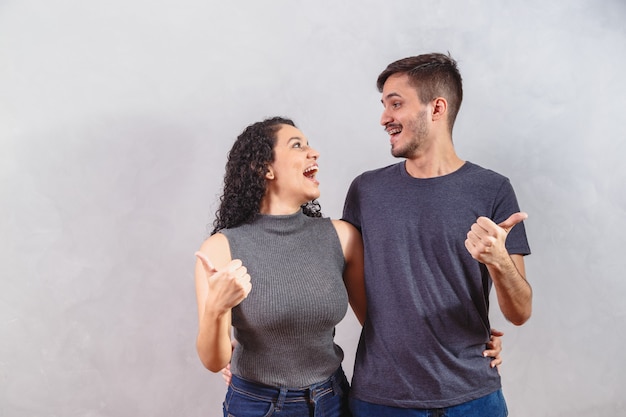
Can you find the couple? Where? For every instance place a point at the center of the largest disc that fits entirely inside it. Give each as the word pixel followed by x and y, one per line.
pixel 420 244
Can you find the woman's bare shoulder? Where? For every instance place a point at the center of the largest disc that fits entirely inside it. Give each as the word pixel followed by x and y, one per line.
pixel 217 249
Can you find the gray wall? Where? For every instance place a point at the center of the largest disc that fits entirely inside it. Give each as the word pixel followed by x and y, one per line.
pixel 115 119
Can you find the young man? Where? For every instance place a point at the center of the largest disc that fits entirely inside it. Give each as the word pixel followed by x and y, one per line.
pixel 437 232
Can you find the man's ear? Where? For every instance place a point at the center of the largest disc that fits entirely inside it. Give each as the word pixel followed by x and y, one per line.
pixel 440 108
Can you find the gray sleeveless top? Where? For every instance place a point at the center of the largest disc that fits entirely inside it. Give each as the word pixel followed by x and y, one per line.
pixel 286 325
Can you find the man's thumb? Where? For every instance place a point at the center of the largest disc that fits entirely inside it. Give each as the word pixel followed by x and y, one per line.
pixel 513 219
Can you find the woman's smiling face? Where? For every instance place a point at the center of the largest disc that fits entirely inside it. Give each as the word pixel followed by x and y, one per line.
pixel 291 176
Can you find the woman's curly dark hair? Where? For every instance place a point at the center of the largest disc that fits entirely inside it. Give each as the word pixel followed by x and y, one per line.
pixel 244 180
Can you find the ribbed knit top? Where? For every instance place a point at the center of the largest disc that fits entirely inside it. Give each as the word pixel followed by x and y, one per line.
pixel 286 325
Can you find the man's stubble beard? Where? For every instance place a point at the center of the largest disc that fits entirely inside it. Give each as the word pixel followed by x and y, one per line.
pixel 419 131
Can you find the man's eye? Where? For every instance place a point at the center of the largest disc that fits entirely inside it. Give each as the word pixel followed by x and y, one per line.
pixel 395 105
pixel 297 145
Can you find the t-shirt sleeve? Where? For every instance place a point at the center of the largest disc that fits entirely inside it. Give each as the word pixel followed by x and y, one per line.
pixel 351 207
pixel 505 205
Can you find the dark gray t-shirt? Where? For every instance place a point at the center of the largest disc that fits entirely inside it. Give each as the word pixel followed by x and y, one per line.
pixel 428 299
pixel 286 325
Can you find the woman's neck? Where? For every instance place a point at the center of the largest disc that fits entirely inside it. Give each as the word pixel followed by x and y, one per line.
pixel 277 208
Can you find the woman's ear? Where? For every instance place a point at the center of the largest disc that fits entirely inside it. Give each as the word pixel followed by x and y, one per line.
pixel 269 174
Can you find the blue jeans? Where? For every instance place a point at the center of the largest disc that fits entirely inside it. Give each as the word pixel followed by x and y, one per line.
pixel 492 405
pixel 327 399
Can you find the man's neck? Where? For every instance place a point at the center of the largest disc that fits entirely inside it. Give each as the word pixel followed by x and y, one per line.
pixel 433 164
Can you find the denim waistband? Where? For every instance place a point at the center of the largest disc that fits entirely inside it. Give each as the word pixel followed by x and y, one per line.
pixel 288 395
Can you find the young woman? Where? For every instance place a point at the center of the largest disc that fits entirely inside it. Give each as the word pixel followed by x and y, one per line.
pixel 281 275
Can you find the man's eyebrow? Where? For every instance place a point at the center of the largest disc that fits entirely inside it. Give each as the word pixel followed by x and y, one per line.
pixel 390 95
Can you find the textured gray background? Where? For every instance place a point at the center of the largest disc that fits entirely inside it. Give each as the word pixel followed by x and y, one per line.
pixel 115 119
